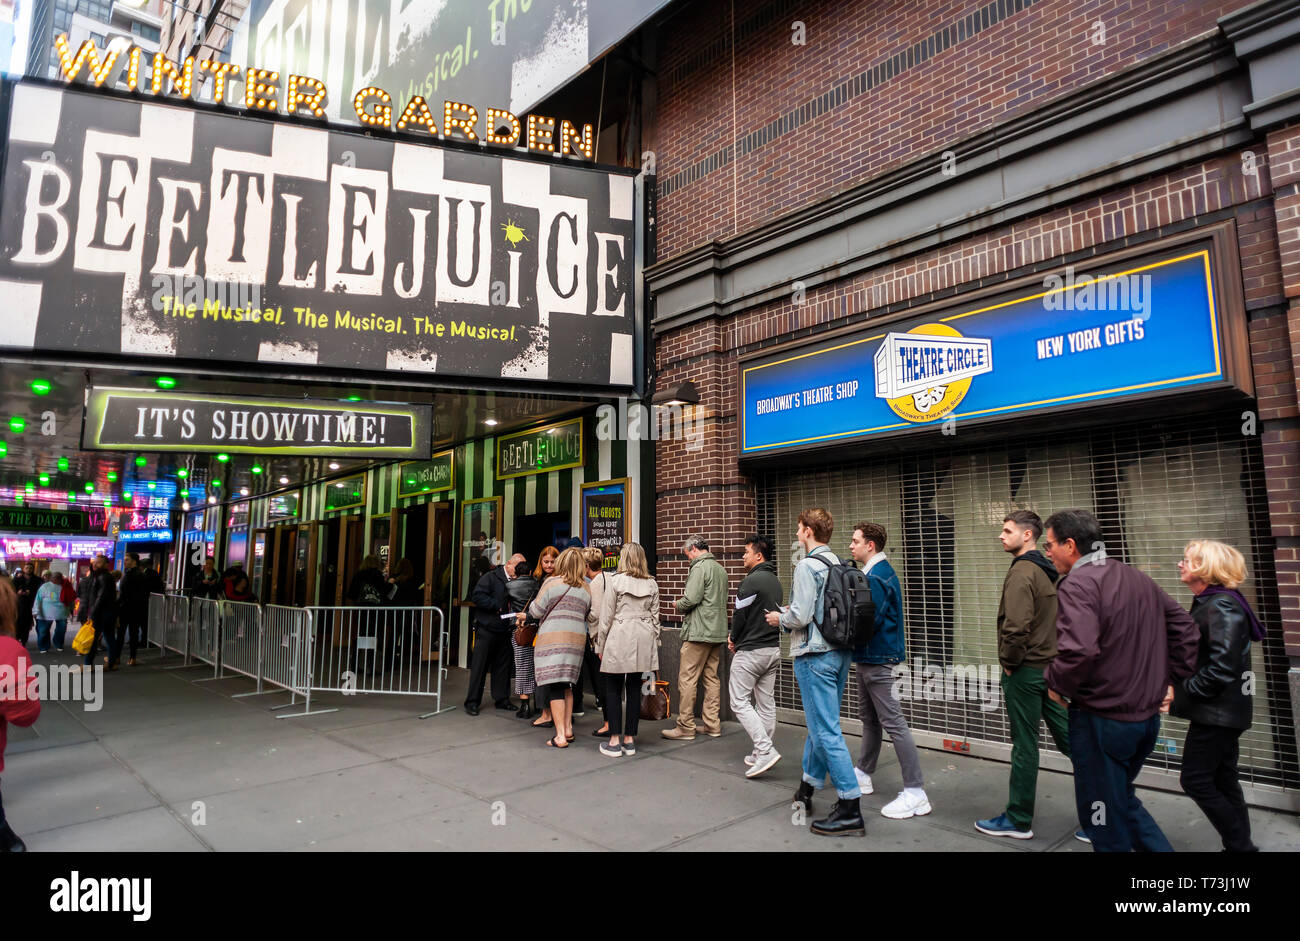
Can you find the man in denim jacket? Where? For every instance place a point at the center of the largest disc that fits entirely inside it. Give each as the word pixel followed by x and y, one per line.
pixel 822 672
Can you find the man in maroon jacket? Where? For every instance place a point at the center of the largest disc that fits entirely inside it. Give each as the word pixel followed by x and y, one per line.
pixel 1121 641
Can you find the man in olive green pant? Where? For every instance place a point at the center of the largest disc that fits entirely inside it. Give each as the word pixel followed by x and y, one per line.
pixel 1026 645
pixel 704 630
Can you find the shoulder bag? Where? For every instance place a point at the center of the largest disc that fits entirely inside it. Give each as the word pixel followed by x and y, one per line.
pixel 524 636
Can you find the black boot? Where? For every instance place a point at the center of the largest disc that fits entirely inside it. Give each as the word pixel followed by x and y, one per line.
pixel 845 820
pixel 804 796
pixel 10 841
pixel 525 710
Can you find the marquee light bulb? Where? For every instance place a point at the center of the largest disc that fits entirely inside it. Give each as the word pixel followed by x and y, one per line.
pixel 466 124
pixel 40 386
pixel 569 139
pixel 112 476
pixel 17 423
pixel 382 116
pixel 63 463
pixel 223 458
pixel 45 480
pixel 141 461
pixel 182 78
pixel 496 117
pixel 313 99
pixel 219 72
pixel 182 473
pixel 539 127
pixel 417 112
pixel 260 86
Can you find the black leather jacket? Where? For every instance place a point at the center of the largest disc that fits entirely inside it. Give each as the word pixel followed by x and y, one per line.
pixel 1215 693
pixel 103 600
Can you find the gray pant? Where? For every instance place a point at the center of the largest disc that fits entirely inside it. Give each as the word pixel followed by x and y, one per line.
pixel 881 709
pixel 753 672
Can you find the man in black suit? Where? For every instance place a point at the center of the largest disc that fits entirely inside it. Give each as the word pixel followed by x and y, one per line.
pixel 492 650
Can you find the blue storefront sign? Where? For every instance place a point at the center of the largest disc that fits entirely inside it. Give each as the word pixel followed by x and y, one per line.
pixel 1079 338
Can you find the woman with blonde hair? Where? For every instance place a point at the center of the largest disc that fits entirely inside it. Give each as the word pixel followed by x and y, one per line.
pixel 627 642
pixel 563 610
pixel 1214 699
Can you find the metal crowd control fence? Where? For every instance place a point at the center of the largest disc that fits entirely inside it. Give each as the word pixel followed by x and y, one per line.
pixel 172 630
pixel 286 644
pixel 205 632
pixel 379 650
pixel 301 650
pixel 241 639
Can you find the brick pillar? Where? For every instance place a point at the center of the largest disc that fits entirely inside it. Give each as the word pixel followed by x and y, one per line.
pixel 698 488
pixel 1281 429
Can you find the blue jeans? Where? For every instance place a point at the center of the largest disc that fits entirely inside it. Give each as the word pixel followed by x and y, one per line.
pixel 822 678
pixel 1107 756
pixel 43 632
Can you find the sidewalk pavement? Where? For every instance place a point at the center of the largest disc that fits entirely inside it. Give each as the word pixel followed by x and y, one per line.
pixel 172 764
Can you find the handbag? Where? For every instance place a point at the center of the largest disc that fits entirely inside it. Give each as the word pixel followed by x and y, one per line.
pixel 654 704
pixel 524 636
pixel 84 639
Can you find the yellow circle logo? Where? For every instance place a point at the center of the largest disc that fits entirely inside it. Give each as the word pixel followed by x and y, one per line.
pixel 933 402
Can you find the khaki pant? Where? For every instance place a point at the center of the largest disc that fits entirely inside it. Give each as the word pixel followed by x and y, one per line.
pixel 696 659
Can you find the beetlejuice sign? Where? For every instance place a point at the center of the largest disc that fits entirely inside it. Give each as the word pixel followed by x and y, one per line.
pixel 138 228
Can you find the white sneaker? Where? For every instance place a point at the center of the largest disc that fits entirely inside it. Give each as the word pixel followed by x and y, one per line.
pixel 864 781
pixel 763 764
pixel 905 805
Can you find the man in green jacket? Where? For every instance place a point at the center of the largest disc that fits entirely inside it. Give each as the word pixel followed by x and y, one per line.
pixel 704 631
pixel 1026 646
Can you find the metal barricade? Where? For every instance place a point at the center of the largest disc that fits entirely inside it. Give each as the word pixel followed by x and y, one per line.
pixel 174 632
pixel 378 650
pixel 205 632
pixel 286 655
pixel 241 639
pixel 155 625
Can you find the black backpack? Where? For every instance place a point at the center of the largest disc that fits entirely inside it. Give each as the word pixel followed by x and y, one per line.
pixel 849 618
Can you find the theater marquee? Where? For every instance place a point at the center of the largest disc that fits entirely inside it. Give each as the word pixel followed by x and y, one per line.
pixel 143 228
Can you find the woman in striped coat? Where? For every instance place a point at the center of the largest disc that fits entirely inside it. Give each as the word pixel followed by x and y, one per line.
pixel 563 608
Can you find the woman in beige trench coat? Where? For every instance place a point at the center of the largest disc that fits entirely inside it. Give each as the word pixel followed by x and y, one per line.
pixel 627 641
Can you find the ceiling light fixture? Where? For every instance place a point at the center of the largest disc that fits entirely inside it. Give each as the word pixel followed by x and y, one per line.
pixel 490 422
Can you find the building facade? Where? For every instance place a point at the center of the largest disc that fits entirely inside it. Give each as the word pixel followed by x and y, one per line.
pixel 839 184
pixel 98 20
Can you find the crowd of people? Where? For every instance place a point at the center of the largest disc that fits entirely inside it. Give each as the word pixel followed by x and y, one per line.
pixel 1090 646
pixel 1087 644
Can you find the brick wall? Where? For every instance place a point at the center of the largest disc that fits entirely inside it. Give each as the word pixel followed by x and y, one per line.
pixel 1282 433
pixel 984 64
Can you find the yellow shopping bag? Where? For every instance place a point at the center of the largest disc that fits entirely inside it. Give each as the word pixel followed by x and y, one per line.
pixel 85 637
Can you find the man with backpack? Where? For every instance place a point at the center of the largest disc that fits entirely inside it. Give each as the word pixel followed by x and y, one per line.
pixel 822 671
pixel 874 663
